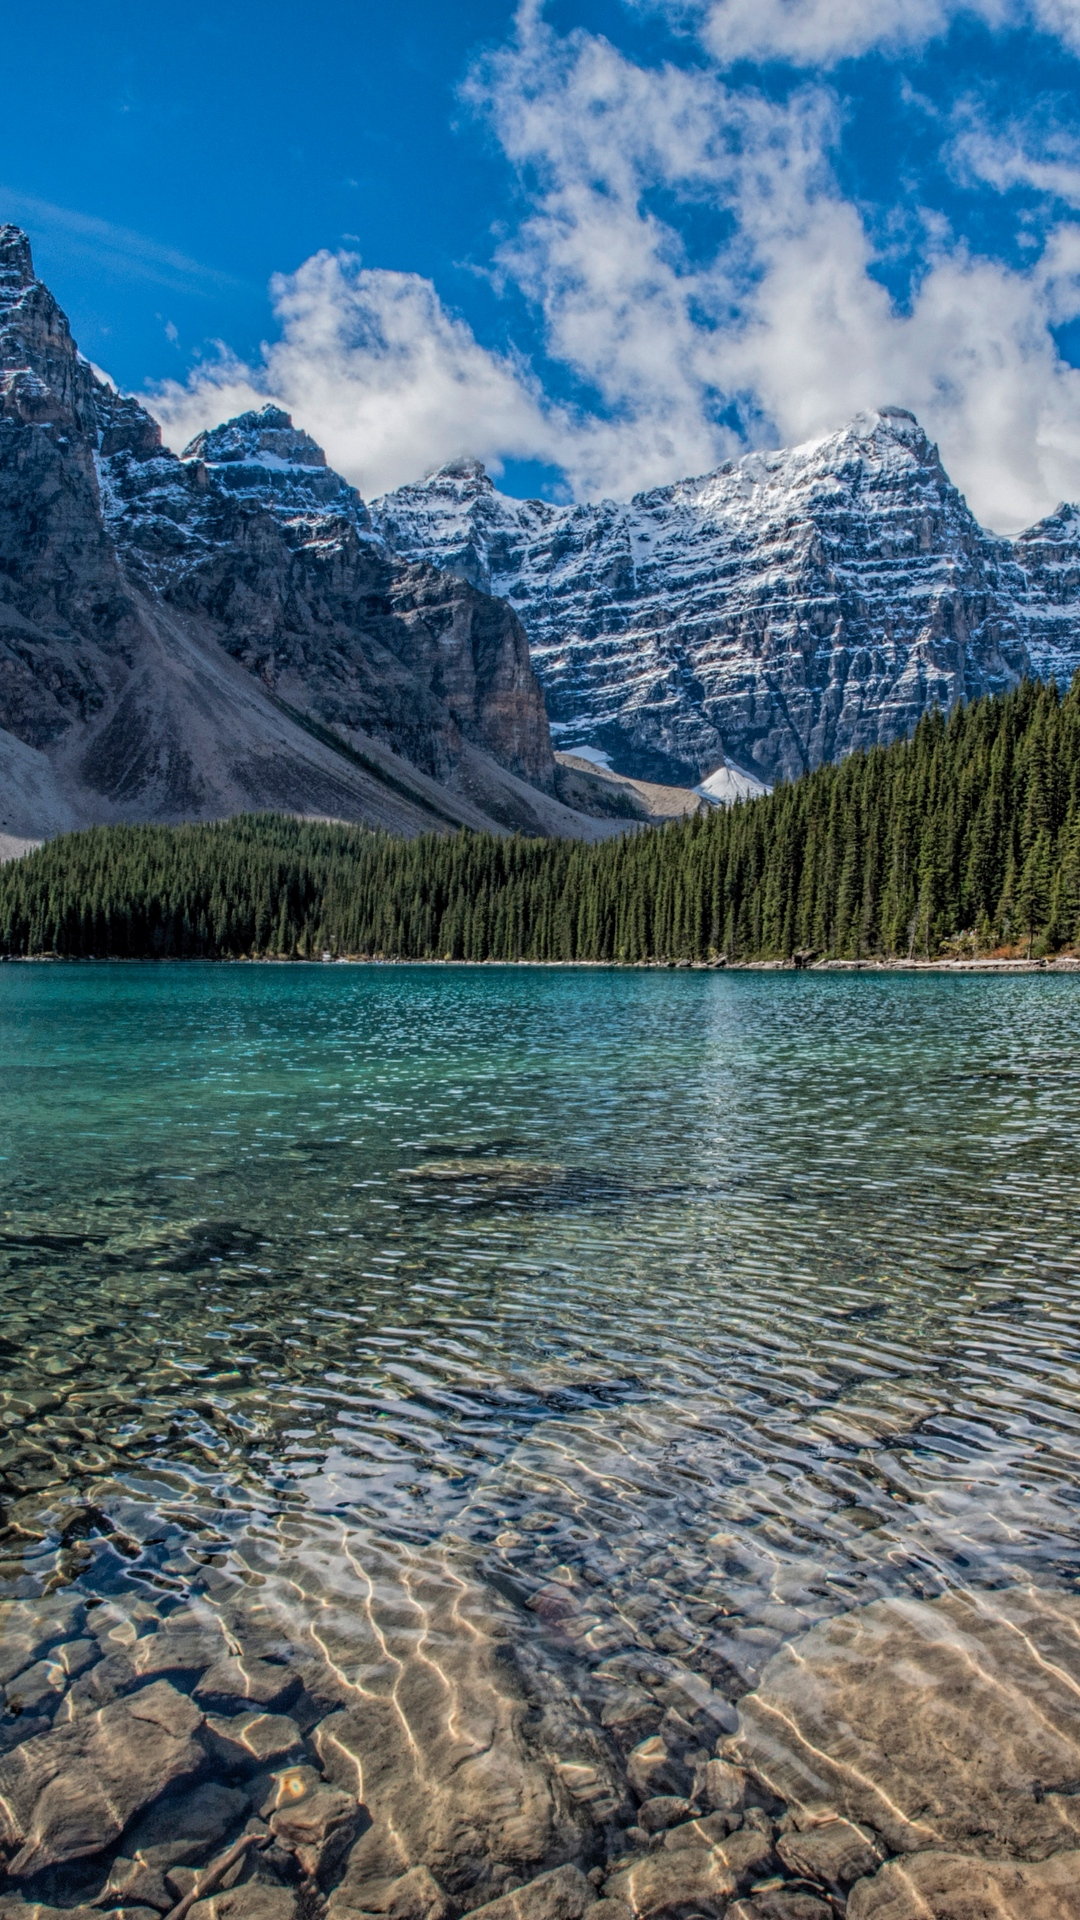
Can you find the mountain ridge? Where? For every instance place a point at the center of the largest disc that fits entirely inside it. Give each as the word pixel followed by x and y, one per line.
pixel 774 614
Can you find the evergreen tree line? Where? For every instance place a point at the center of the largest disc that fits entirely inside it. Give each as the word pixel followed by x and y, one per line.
pixel 965 836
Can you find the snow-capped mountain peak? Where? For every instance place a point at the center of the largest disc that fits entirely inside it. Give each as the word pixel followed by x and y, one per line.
pixel 790 605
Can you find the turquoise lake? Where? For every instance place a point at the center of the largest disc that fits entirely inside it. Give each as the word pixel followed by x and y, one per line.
pixel 728 1301
pixel 344 1237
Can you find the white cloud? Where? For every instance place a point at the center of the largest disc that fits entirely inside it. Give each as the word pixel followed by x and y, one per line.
pixel 773 329
pixel 373 366
pixel 1045 160
pixel 818 33
pixel 785 317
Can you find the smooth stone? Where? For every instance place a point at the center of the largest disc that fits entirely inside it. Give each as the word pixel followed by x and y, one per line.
pixel 837 1853
pixel 72 1791
pixel 959 1886
pixel 255 1736
pixel 680 1881
pixel 320 1828
pixel 654 1771
pixel 263 1683
pixel 933 1723
pixel 606 1909
pixel 720 1786
pixel 667 1810
pixel 562 1894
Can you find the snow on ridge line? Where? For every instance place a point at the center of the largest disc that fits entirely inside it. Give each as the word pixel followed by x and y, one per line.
pixel 781 611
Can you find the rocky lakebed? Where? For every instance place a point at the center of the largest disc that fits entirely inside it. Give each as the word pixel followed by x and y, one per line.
pixel 396 1758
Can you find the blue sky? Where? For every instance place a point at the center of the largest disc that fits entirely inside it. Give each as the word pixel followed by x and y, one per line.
pixel 600 245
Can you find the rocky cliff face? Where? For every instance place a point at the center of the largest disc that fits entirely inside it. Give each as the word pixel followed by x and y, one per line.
pixel 774 614
pixel 183 637
pixel 252 529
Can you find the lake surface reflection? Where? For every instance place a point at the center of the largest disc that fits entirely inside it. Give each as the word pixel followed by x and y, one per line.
pixel 671 1314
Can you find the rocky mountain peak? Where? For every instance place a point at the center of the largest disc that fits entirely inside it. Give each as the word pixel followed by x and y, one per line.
pixel 265 436
pixel 463 476
pixel 262 457
pixel 42 377
pixel 16 260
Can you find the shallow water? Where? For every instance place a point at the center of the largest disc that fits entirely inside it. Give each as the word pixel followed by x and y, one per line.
pixel 678 1310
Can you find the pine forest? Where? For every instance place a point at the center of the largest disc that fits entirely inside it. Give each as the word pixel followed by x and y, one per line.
pixel 964 839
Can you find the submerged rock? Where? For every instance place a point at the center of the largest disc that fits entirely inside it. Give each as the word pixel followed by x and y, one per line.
pixel 29 1627
pixel 178 1830
pixel 435 1738
pixel 70 1792
pixel 948 1724
pixel 676 1882
pixel 781 1903
pixel 255 1900
pixel 254 1736
pixel 954 1886
pixel 319 1828
pixel 562 1894
pixel 836 1854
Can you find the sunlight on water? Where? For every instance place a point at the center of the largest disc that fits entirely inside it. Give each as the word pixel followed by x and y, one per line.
pixel 673 1313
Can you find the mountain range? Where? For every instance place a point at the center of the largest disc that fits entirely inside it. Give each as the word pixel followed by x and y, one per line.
pixel 234 628
pixel 772 615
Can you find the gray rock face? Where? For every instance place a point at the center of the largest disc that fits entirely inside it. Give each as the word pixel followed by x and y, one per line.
pixel 776 613
pixel 253 530
pixel 187 638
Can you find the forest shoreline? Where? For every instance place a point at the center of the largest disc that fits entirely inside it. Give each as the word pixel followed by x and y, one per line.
pixel 1062 963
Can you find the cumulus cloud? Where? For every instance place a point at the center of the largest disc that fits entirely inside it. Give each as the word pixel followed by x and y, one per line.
pixel 373 365
pixel 818 33
pixel 783 326
pixel 774 326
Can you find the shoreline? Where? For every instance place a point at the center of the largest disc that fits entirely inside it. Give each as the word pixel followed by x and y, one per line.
pixel 1063 964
